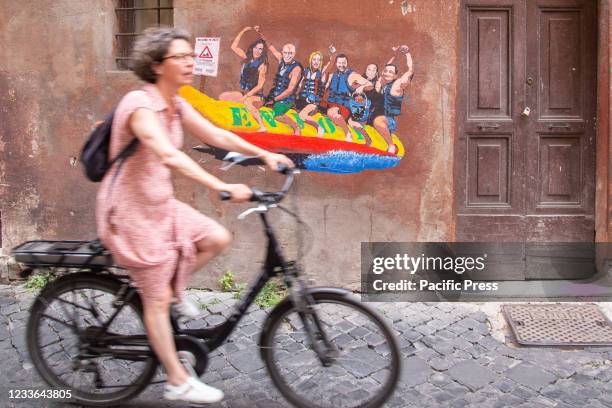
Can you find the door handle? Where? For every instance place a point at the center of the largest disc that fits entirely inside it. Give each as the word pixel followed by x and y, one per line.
pixel 551 126
pixel 494 126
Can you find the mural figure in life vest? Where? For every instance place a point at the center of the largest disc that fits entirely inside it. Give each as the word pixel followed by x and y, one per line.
pixel 347 128
pixel 362 104
pixel 311 91
pixel 391 87
pixel 285 84
pixel 252 76
pixel 340 87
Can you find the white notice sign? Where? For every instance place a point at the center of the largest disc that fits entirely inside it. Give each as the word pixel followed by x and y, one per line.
pixel 207 56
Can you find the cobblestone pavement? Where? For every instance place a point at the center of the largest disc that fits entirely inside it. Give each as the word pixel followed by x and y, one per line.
pixel 455 355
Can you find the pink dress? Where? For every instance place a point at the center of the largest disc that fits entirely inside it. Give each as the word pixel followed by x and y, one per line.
pixel 147 230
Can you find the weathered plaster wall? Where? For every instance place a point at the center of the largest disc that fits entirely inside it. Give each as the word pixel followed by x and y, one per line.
pixel 606 108
pixel 56 79
pixel 603 123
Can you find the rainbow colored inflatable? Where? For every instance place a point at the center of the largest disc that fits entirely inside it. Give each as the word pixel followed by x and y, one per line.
pixel 331 153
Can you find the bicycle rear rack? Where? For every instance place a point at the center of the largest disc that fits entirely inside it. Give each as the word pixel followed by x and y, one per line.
pixel 62 254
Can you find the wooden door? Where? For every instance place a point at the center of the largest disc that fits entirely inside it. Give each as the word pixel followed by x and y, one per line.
pixel 525 158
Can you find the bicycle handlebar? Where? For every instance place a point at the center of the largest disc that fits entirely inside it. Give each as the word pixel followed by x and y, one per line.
pixel 268 198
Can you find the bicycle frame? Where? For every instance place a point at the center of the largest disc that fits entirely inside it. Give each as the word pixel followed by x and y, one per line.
pixel 273 266
pixel 214 336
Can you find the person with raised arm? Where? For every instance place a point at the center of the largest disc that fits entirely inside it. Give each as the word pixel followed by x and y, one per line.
pixel 252 76
pixel 285 84
pixel 312 87
pixel 392 87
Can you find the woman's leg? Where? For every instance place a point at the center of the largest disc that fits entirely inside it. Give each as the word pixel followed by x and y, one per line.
pixel 381 125
pixel 361 130
pixel 252 104
pixel 338 120
pixel 157 318
pixel 211 246
pixel 231 96
pixel 289 122
pixel 306 116
pixel 159 332
pixel 207 248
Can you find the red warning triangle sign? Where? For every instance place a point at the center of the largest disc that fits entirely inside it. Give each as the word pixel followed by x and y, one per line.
pixel 206 54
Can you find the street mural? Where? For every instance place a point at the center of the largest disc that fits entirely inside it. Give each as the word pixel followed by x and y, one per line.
pixel 325 115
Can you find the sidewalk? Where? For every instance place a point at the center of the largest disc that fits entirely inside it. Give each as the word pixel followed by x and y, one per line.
pixel 455 355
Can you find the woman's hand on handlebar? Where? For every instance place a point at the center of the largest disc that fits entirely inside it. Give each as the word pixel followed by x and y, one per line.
pixel 238 193
pixel 273 160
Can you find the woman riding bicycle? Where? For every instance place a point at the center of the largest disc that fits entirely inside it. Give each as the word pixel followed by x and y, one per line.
pixel 158 238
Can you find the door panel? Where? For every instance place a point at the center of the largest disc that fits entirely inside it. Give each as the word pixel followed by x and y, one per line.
pixel 559 56
pixel 489 76
pixel 560 179
pixel 488 170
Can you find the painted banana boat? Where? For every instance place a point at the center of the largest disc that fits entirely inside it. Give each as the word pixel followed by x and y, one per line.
pixel 331 153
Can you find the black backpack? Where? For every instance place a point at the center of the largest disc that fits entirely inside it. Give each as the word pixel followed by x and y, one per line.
pixel 95 152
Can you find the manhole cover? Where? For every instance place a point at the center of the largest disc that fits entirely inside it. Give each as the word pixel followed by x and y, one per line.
pixel 559 325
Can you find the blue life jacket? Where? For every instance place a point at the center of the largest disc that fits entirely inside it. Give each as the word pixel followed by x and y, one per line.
pixel 281 80
pixel 249 75
pixel 313 86
pixel 393 104
pixel 339 88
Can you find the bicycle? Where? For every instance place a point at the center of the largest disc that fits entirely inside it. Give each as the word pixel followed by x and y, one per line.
pixel 108 360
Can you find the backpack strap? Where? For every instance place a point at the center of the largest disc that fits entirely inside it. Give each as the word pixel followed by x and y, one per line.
pixel 127 151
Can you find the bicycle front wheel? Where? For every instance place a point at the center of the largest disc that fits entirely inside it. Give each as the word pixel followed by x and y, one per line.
pixel 364 359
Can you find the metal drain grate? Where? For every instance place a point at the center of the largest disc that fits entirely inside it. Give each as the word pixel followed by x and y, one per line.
pixel 559 325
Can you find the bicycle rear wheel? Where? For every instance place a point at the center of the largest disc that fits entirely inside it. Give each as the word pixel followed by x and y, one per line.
pixel 65 319
pixel 365 360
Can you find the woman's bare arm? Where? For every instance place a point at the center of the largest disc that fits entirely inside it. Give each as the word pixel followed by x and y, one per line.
pixel 271 47
pixel 146 126
pixel 237 50
pixel 407 76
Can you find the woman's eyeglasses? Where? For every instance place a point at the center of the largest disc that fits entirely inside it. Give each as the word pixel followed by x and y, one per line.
pixel 182 57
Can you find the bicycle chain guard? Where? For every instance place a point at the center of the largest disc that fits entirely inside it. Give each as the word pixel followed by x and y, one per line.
pixel 192 346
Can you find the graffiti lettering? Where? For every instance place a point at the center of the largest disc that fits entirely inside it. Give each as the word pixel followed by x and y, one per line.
pixel 298 120
pixel 358 136
pixel 240 116
pixel 327 124
pixel 269 118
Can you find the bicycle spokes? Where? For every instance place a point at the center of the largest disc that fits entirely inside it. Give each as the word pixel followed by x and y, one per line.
pixel 71 335
pixel 332 355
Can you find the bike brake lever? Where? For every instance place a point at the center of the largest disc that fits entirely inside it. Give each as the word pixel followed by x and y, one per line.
pixel 261 208
pixel 235 158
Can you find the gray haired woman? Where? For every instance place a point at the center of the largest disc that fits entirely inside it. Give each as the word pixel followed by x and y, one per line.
pixel 159 239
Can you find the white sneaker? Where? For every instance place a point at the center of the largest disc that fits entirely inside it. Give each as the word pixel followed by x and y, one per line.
pixel 187 308
pixel 193 391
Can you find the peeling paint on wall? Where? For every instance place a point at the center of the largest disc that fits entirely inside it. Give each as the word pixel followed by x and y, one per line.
pixel 408 8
